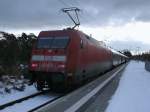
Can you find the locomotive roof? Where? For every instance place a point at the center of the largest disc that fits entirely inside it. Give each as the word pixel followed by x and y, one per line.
pixel 46 33
pixel 68 30
pixel 116 52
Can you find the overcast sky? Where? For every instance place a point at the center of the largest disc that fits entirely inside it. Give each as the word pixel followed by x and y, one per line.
pixel 113 21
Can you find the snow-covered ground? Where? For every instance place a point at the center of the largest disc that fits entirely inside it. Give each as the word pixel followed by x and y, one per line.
pixel 133 92
pixel 27 105
pixel 7 97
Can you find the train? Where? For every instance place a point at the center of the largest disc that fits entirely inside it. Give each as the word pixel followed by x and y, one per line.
pixel 66 58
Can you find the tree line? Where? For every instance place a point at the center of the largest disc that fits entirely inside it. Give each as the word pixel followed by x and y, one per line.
pixel 14 50
pixel 143 56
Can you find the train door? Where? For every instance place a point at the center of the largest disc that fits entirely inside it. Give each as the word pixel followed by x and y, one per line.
pixel 83 58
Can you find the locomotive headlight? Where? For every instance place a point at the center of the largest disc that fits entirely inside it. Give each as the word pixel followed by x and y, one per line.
pixel 34 65
pixel 61 66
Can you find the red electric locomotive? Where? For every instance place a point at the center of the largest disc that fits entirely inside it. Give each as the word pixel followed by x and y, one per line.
pixel 65 58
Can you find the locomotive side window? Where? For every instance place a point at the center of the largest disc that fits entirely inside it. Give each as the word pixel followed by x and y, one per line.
pixel 52 42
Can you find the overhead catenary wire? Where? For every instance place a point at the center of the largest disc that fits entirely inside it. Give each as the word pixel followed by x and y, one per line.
pixel 75 10
pixel 76 3
pixel 83 14
pixel 83 11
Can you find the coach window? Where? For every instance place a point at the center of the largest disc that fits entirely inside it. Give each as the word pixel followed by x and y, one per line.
pixel 81 44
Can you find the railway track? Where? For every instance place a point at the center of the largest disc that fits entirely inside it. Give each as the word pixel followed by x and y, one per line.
pixel 19 100
pixel 30 103
pixel 48 102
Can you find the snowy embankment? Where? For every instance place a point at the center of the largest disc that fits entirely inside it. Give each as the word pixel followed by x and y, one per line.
pixel 133 92
pixel 13 88
pixel 14 95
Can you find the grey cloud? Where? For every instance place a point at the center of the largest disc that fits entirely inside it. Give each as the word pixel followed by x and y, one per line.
pixel 39 13
pixel 130 45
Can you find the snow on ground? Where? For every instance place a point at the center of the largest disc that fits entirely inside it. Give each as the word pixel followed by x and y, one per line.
pixel 5 98
pixel 26 106
pixel 133 92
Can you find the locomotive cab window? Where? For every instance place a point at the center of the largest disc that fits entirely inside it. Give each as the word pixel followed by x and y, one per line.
pixel 60 42
pixel 52 42
pixel 44 43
